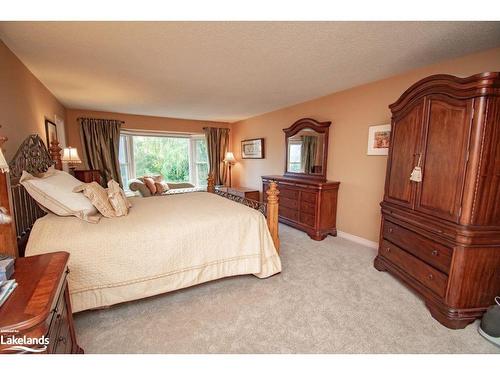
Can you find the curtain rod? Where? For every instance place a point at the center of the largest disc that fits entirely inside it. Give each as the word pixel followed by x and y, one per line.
pixel 105 119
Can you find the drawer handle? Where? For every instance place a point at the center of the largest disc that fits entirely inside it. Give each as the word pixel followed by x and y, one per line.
pixel 431 276
pixel 388 249
pixel 391 230
pixel 435 252
pixel 62 339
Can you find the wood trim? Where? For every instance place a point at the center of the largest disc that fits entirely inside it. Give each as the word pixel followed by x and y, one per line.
pixel 272 213
pixel 319 127
pixel 358 240
pixel 8 243
pixel 55 154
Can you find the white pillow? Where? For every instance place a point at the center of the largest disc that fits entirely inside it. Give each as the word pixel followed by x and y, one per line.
pixel 54 191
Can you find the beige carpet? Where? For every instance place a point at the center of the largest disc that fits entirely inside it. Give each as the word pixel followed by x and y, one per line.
pixel 328 299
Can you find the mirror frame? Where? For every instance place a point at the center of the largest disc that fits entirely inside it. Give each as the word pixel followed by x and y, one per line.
pixel 319 127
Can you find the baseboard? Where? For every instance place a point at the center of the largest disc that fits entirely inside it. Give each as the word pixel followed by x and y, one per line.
pixel 357 239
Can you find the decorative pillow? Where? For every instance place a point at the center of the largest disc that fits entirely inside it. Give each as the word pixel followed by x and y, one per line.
pixel 161 187
pixel 140 186
pixel 98 196
pixel 54 191
pixel 150 183
pixel 117 199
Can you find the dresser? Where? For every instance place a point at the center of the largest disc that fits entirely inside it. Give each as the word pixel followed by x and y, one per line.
pixel 40 306
pixel 88 175
pixel 305 204
pixel 440 230
pixel 242 192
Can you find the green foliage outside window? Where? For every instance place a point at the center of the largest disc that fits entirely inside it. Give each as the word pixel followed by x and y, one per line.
pixel 162 155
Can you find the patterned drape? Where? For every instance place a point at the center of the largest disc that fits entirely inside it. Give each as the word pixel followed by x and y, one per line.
pixel 217 145
pixel 101 142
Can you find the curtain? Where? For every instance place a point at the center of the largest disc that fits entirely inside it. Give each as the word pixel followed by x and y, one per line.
pixel 308 156
pixel 217 145
pixel 101 142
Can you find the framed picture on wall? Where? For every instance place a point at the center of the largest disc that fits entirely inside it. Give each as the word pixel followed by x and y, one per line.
pixel 252 148
pixel 378 139
pixel 50 132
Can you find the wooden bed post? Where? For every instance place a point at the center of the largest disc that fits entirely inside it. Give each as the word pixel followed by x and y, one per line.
pixel 211 183
pixel 8 241
pixel 55 153
pixel 272 213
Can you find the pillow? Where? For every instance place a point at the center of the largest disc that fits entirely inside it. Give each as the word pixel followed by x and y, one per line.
pixel 117 199
pixel 140 186
pixel 161 187
pixel 54 191
pixel 98 196
pixel 150 183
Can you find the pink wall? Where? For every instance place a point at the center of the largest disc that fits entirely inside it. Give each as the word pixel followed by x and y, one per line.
pixel 351 113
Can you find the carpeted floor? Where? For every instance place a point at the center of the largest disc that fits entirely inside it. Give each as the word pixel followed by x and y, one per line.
pixel 328 299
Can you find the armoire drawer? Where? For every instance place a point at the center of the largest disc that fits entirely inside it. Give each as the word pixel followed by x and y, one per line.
pixel 425 274
pixel 429 251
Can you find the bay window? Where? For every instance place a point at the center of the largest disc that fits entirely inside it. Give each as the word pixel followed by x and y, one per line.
pixel 177 157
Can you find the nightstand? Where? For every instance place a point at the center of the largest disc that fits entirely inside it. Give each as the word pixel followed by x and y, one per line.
pixel 40 307
pixel 240 192
pixel 88 175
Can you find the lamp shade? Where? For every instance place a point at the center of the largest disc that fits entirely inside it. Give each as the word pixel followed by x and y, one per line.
pixel 70 156
pixel 229 158
pixel 4 167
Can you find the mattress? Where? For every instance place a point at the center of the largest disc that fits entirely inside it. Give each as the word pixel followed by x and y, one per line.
pixel 164 244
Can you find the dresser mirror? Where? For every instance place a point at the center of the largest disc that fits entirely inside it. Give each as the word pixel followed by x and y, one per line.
pixel 307 149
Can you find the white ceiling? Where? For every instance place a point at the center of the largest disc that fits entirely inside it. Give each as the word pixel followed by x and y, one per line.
pixel 227 71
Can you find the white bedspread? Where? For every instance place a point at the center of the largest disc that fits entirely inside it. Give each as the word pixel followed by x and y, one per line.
pixel 165 243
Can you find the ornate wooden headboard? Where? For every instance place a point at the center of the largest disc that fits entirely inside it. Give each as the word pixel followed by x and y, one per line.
pixel 33 157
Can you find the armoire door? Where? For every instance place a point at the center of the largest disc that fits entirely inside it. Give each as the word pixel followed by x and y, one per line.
pixel 405 138
pixel 444 156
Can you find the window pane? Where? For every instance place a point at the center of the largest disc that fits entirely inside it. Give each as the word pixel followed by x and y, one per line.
pixel 122 155
pixel 201 159
pixel 162 155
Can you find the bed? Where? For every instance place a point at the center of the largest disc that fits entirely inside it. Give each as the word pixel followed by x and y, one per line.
pixel 164 244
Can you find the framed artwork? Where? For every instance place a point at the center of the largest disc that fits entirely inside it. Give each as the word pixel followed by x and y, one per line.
pixel 252 148
pixel 50 132
pixel 378 139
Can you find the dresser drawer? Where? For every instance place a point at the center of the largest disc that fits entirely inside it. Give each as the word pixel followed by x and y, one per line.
pixel 288 193
pixel 308 208
pixel 289 203
pixel 57 322
pixel 288 213
pixel 307 219
pixel 429 251
pixel 425 274
pixel 306 196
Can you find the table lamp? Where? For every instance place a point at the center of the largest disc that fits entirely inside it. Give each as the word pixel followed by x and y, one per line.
pixel 70 157
pixel 230 160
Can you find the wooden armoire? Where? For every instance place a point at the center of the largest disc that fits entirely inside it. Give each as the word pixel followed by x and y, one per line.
pixel 440 233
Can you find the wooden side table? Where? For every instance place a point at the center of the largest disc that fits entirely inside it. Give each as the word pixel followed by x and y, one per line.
pixel 241 192
pixel 40 306
pixel 88 175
